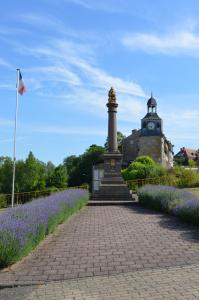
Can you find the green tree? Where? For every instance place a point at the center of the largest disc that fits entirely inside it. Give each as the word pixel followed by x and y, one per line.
pixel 120 137
pixel 3 159
pixel 20 176
pixel 50 168
pixel 6 171
pixel 71 162
pixel 31 174
pixel 34 174
pixel 59 177
pixel 80 168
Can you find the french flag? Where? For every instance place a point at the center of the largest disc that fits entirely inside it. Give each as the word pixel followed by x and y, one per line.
pixel 21 85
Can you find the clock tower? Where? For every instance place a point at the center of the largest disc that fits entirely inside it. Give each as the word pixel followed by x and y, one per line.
pixel 151 124
pixel 148 140
pixel 152 141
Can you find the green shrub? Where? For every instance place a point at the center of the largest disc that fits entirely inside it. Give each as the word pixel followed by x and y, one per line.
pixel 3 201
pixel 143 167
pixel 84 186
pixel 191 163
pixel 187 178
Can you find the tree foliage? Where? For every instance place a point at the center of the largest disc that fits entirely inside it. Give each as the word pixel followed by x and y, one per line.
pixel 143 167
pixel 79 168
pixel 120 137
pixel 31 175
pixel 59 177
pixel 6 167
pixel 191 163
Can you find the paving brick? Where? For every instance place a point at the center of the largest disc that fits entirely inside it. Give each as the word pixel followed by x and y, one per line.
pixel 107 240
pixel 158 284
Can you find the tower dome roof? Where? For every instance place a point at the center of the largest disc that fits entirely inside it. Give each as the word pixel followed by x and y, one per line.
pixel 151 102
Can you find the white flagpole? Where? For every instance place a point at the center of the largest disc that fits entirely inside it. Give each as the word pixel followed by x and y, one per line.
pixel 15 131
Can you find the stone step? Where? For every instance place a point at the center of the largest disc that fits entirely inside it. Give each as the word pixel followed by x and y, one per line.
pixel 110 202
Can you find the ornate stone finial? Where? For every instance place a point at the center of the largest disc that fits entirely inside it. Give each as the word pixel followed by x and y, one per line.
pixel 112 95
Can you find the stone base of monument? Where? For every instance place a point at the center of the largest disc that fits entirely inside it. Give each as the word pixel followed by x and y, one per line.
pixel 113 193
pixel 112 190
pixel 112 187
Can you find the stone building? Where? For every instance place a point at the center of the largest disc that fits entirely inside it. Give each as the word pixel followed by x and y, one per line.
pixel 186 154
pixel 149 140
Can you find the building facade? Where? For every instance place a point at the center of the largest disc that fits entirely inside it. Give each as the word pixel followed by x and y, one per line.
pixel 149 140
pixel 186 154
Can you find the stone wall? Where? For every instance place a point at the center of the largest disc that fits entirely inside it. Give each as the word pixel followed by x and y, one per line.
pixel 167 155
pixel 155 146
pixel 152 146
pixel 130 147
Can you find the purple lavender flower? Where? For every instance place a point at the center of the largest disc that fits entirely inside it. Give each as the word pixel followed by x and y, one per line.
pixel 20 224
pixel 166 197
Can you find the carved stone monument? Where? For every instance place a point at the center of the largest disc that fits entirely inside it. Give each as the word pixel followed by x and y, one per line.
pixel 112 187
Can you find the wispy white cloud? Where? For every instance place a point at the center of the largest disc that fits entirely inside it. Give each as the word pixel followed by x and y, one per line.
pixel 37 20
pixel 4 63
pixel 69 131
pixel 131 109
pixel 184 117
pixel 175 41
pixel 2 141
pixel 8 31
pixel 69 61
pixel 73 67
pixel 181 127
pixel 109 6
pixel 7 86
pixel 56 74
pixel 101 79
pixel 63 56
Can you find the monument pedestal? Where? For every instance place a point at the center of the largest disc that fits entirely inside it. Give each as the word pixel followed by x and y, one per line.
pixel 112 187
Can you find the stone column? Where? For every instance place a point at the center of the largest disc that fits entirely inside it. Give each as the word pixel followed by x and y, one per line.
pixel 112 187
pixel 112 122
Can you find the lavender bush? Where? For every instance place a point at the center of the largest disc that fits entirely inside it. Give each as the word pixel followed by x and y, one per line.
pixel 188 211
pixel 171 200
pixel 162 197
pixel 23 227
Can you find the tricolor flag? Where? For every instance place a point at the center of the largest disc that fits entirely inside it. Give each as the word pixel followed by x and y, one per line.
pixel 21 85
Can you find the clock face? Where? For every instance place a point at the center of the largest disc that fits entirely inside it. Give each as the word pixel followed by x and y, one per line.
pixel 151 125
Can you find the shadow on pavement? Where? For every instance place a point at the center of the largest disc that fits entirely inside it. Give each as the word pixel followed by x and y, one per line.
pixel 188 231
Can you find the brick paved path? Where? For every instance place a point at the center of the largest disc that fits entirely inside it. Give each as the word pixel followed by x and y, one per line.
pixel 108 240
pixel 174 283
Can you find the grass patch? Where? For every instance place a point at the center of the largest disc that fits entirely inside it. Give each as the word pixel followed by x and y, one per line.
pixel 195 191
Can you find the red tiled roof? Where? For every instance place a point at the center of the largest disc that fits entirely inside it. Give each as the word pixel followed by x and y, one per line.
pixel 190 153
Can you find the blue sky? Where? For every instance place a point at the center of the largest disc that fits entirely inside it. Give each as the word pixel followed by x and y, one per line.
pixel 72 51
